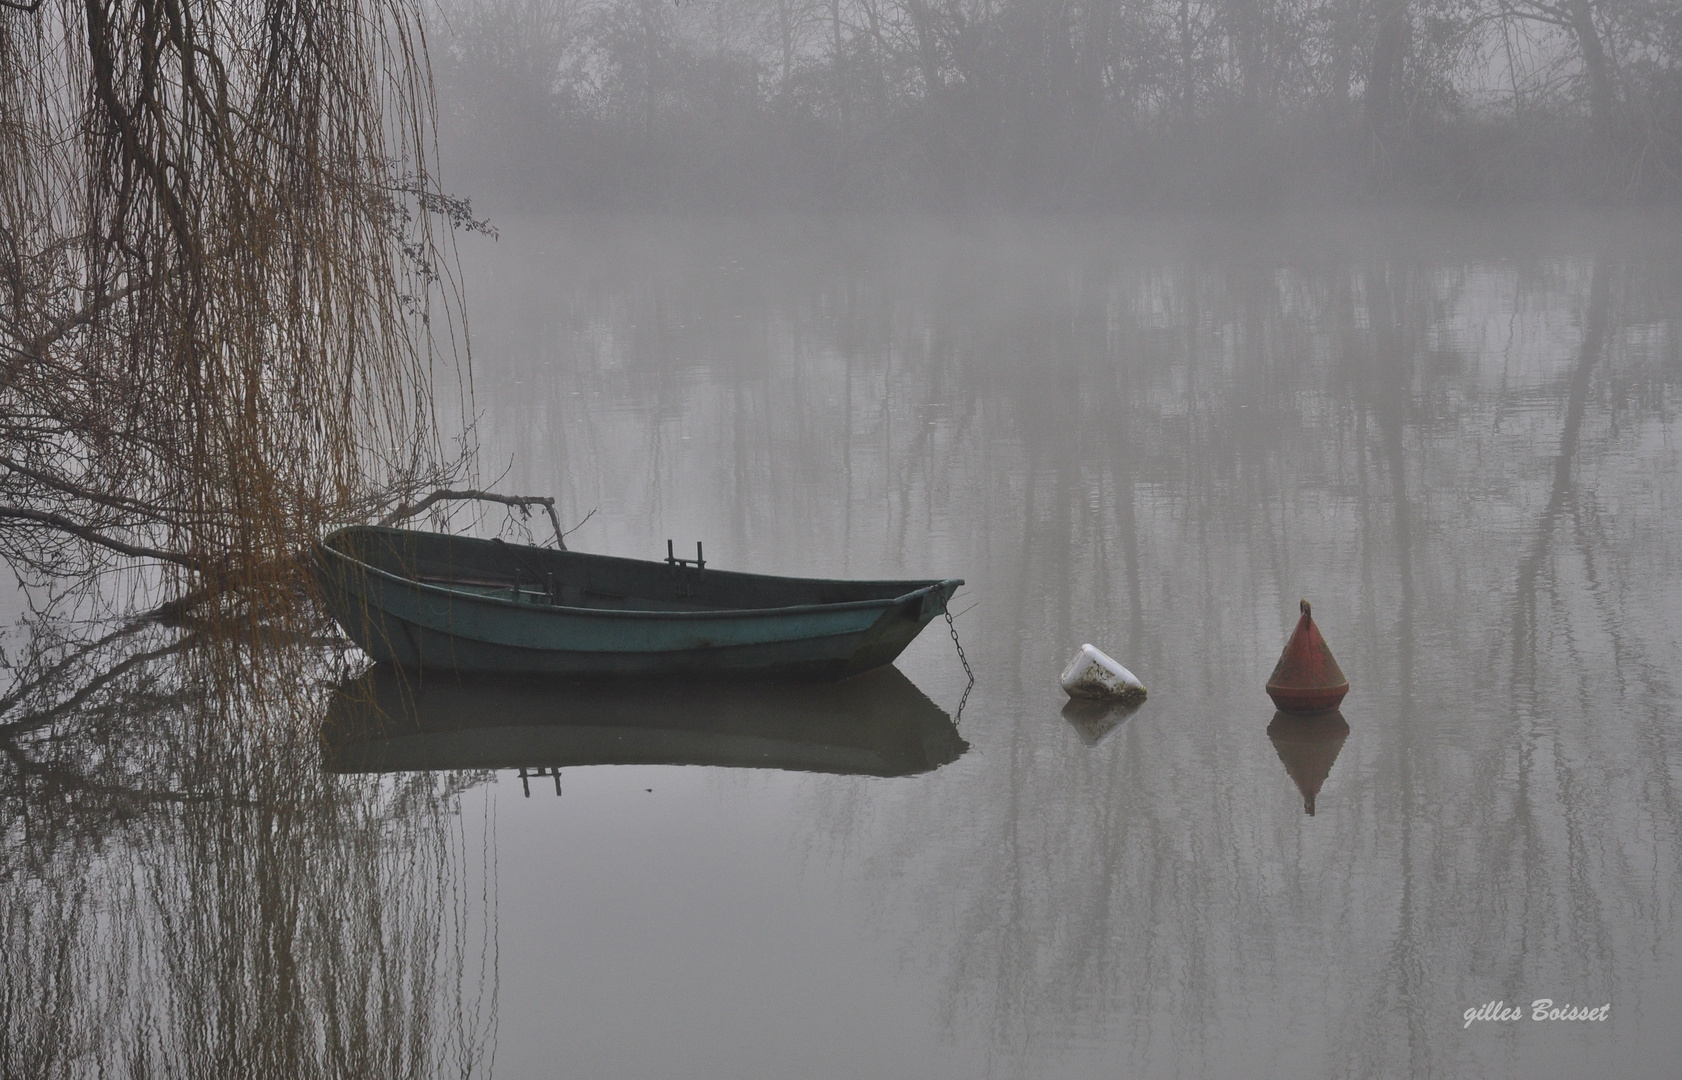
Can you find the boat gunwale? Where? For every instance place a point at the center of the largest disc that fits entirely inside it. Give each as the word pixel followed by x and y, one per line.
pixel 633 613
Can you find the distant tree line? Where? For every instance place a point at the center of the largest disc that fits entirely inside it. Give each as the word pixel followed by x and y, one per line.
pixel 617 102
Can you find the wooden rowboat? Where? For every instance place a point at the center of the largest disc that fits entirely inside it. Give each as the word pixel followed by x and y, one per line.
pixel 431 601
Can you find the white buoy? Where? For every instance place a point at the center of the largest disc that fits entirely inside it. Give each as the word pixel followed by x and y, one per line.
pixel 1093 675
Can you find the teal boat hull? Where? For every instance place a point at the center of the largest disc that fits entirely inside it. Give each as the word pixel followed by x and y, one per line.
pixel 429 601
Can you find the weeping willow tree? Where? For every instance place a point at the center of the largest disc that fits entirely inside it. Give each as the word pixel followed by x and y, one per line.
pixel 223 283
pixel 224 307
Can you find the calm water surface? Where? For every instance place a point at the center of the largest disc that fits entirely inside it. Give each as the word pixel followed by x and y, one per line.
pixel 1460 441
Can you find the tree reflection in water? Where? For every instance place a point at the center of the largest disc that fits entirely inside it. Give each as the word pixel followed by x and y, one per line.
pixel 185 892
pixel 1464 447
pixel 1479 843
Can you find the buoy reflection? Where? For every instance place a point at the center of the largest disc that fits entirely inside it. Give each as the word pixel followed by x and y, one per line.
pixel 1094 720
pixel 1308 745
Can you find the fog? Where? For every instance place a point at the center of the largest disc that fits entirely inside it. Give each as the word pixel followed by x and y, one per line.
pixel 1146 318
pixel 860 104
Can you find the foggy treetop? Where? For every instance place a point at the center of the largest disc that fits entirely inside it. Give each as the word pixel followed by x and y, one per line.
pixel 624 102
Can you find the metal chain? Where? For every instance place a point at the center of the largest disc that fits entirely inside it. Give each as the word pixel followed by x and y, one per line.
pixel 964 660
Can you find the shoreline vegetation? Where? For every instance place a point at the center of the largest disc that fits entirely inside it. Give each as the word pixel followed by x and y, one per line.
pixel 1059 104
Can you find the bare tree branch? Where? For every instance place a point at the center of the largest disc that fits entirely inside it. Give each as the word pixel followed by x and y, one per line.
pixel 93 536
pixel 409 510
pixel 65 487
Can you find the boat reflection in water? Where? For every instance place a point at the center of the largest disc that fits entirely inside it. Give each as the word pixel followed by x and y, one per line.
pixel 1094 721
pixel 1308 745
pixel 391 720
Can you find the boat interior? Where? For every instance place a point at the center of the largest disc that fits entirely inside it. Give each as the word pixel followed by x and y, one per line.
pixel 549 577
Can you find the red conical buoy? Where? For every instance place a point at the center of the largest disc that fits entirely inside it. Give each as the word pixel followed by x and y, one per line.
pixel 1307 679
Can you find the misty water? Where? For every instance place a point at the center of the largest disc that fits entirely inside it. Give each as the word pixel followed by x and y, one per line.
pixel 1458 437
pixel 1459 442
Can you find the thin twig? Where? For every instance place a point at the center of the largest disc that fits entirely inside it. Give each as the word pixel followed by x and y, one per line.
pixel 580 525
